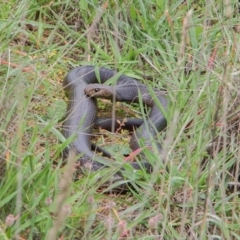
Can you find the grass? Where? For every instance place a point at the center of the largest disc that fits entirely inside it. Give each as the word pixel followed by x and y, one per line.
pixel 192 54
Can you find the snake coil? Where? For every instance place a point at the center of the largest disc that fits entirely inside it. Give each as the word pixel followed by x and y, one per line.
pixel 82 85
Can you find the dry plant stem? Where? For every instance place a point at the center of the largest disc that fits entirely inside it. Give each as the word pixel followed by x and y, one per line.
pixel 236 182
pixel 4 157
pixel 216 118
pixel 114 95
pixel 24 69
pixel 170 23
pixel 19 172
pixel 228 8
pixel 202 223
pixel 186 26
pixel 185 209
pixel 226 82
pixel 166 152
pixel 91 30
pixel 110 230
pixel 65 186
pixel 3 163
pixel 222 91
pixel 224 130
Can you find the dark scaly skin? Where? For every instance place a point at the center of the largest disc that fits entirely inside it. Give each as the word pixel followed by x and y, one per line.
pixel 82 112
pixel 156 121
pixel 128 124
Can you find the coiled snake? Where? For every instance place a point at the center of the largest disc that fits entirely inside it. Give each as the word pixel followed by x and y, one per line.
pixel 82 85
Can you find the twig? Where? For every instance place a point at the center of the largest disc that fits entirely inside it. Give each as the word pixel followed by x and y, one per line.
pixel 24 69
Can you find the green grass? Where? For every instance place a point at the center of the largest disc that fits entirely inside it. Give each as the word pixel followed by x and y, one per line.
pixel 42 40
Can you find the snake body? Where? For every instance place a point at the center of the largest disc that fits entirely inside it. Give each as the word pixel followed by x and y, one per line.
pixel 82 85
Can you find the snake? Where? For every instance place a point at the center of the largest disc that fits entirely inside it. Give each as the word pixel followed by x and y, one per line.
pixel 83 85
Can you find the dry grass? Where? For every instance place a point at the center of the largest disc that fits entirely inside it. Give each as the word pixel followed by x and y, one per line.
pixel 190 49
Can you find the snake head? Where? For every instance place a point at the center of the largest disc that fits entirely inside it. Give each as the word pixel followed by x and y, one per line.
pixel 91 92
pixel 99 91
